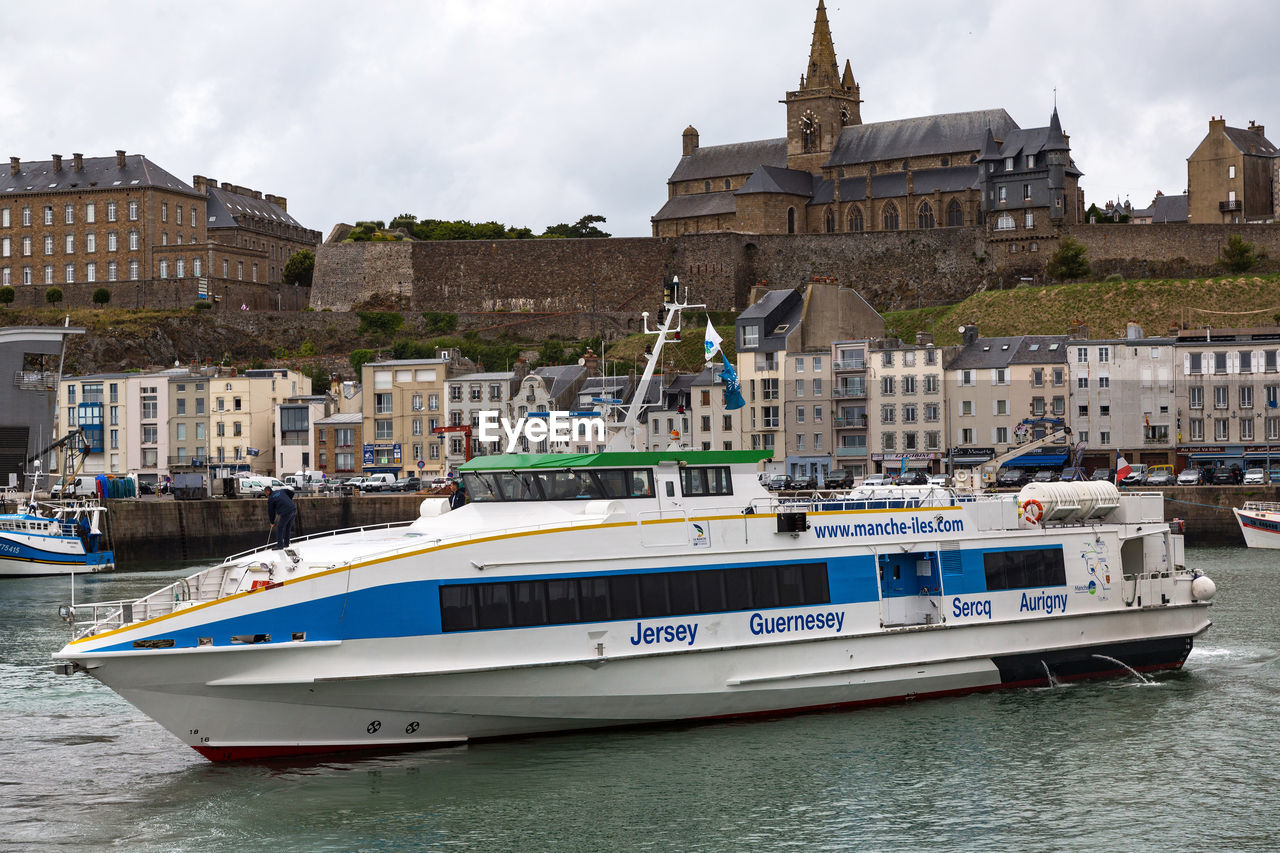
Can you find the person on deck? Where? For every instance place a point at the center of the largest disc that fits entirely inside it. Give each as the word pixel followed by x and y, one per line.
pixel 281 511
pixel 459 496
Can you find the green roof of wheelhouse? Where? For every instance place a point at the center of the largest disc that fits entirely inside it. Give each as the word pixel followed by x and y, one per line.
pixel 525 461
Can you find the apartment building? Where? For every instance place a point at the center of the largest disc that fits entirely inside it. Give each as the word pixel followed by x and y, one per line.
pixel 1122 399
pixel 1227 396
pixel 1002 392
pixel 242 417
pixel 670 419
pixel 905 405
pixel 711 425
pixel 473 393
pixel 338 441
pixel 189 421
pixel 294 435
pixel 404 401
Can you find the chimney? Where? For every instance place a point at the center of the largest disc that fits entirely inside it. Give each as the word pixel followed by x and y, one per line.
pixel 1259 129
pixel 923 339
pixel 226 185
pixel 969 334
pixel 590 362
pixel 1079 331
pixel 197 181
pixel 1133 332
pixel 119 158
pixel 57 162
pixel 78 159
pixel 521 368
pixel 279 201
pixel 15 165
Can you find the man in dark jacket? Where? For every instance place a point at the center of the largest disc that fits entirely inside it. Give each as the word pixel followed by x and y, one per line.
pixel 459 496
pixel 281 511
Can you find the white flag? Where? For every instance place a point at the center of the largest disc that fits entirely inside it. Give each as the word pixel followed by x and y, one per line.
pixel 712 341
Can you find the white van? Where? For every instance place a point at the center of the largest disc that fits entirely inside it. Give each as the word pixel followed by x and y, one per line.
pixel 82 486
pixel 378 482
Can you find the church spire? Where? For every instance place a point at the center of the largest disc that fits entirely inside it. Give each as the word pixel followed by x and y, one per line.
pixel 823 72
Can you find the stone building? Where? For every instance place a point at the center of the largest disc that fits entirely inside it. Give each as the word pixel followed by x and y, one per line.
pixel 338 439
pixel 123 218
pixel 831 173
pixel 1231 176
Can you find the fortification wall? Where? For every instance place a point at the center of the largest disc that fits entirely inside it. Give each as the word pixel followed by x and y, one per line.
pixel 1170 250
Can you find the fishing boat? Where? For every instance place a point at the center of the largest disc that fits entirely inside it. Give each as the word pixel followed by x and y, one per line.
pixel 582 591
pixel 1259 523
pixel 54 538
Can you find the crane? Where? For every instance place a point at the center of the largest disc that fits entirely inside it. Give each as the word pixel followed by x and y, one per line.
pixel 984 476
pixel 466 434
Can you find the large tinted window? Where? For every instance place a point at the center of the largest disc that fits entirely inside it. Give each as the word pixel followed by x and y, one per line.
pixel 1024 569
pixel 654 595
pixel 580 484
pixel 697 482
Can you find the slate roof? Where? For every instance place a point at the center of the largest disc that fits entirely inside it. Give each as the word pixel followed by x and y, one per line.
pixel 343 418
pixel 918 137
pixel 1249 142
pixel 985 353
pixel 224 207
pixel 558 377
pixel 697 204
pixel 894 184
pixel 1169 208
pixel 1033 140
pixel 772 179
pixel 766 310
pixel 482 377
pixel 99 172
pixel 739 158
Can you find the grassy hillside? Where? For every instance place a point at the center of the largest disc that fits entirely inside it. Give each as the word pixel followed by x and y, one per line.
pixel 687 355
pixel 1104 307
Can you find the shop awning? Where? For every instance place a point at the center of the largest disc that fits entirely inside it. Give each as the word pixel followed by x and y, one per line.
pixel 1037 460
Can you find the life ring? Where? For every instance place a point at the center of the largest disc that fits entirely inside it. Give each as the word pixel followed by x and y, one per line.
pixel 1032 510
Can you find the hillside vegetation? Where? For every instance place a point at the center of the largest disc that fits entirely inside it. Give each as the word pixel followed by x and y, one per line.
pixel 1105 307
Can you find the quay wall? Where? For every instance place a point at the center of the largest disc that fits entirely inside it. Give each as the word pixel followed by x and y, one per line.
pixel 156 530
pixel 153 530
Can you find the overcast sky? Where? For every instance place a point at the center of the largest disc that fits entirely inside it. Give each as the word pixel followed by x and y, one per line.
pixel 535 113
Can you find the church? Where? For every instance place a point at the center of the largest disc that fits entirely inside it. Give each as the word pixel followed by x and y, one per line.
pixel 834 174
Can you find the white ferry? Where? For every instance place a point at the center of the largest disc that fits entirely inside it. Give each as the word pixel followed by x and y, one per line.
pixel 1259 523
pixel 625 588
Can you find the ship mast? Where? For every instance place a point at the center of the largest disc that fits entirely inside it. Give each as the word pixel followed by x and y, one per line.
pixel 625 438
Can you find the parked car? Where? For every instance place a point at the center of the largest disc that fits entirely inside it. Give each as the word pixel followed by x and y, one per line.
pixel 1136 475
pixel 1046 475
pixel 1255 477
pixel 1191 477
pixel 1227 475
pixel 939 480
pixel 146 488
pixel 838 478
pixel 780 482
pixel 1069 474
pixel 336 486
pixel 912 478
pixel 877 480
pixel 407 484
pixel 1161 475
pixel 439 483
pixel 1012 478
pixel 1108 474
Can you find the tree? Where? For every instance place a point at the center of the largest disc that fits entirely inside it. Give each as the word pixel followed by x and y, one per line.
pixel 439 322
pixel 101 296
pixel 379 322
pixel 300 268
pixel 53 296
pixel 1068 262
pixel 1238 255
pixel 359 357
pixel 584 227
pixel 7 295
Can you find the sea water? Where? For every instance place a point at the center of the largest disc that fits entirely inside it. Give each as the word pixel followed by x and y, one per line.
pixel 1187 762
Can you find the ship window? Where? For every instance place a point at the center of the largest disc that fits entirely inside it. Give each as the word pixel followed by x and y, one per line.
pixel 656 595
pixel 489 487
pixel 697 482
pixel 1024 569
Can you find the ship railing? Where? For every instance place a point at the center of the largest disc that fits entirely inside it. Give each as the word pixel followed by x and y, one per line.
pixel 271 545
pixel 92 618
pixel 1262 506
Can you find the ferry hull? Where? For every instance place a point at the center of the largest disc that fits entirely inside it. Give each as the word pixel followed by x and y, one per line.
pixel 310 700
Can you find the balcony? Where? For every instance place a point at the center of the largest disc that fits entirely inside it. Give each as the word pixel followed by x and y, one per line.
pixel 850 452
pixel 852 423
pixel 849 393
pixel 36 380
pixel 852 364
pixel 1234 205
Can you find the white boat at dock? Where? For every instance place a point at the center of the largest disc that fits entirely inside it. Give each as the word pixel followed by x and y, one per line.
pixel 1259 523
pixel 54 538
pixel 580 591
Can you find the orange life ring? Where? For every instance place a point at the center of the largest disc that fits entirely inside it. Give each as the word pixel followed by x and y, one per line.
pixel 1027 510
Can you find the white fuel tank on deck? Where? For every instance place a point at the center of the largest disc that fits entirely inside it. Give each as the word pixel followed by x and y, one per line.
pixel 1073 501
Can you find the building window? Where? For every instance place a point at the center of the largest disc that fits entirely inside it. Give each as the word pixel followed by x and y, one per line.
pixel 1026 192
pixel 1231 172
pixel 70 274
pixel 890 217
pixel 48 214
pixel 925 215
pixel 164 268
pixel 1004 222
pixel 856 224
pixel 1221 397
pixel 68 214
pixel 1221 429
pixel 1029 220
pixel 1246 396
pixel 750 335
pixel 90 272
pixel 955 214
pixel 133 210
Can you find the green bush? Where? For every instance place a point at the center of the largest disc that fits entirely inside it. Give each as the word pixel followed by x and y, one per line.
pixel 1115 276
pixel 7 295
pixel 1238 255
pixel 101 296
pixel 440 322
pixel 1068 262
pixel 53 296
pixel 358 359
pixel 203 306
pixel 379 322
